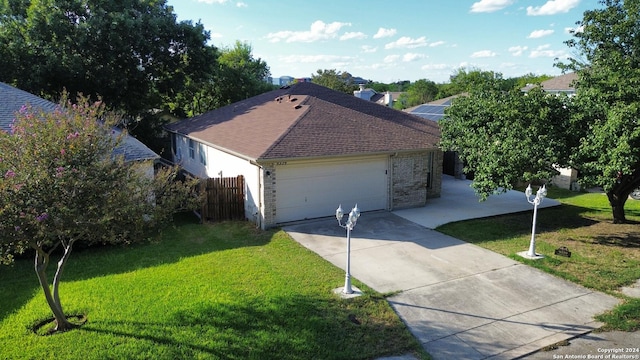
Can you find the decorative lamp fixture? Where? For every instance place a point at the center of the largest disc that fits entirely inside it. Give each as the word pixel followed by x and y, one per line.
pixel 351 223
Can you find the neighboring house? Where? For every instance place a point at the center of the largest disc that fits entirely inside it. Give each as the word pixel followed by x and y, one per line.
pixel 563 84
pixel 305 149
pixel 13 99
pixel 368 94
pixel 434 111
pixel 285 80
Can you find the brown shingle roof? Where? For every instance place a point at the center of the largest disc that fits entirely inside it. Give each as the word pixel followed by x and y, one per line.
pixel 309 120
pixel 13 99
pixel 560 83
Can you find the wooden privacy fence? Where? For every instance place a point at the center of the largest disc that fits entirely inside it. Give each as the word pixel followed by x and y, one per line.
pixel 224 199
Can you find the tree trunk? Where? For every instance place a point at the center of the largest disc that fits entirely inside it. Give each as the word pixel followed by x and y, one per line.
pixel 56 279
pixel 620 192
pixel 41 263
pixel 617 207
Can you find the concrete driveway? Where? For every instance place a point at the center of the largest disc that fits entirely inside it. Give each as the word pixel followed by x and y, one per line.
pixel 459 300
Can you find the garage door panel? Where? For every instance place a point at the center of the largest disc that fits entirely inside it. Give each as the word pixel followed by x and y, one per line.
pixel 316 190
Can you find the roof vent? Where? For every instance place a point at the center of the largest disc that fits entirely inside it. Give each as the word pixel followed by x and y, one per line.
pixel 297 106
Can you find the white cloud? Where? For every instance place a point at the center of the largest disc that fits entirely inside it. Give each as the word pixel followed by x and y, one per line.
pixel 314 58
pixel 383 33
pixel 407 42
pixel 437 43
pixel 517 50
pixel 353 35
pixel 215 35
pixel 369 49
pixel 435 67
pixel 391 58
pixel 213 1
pixel 552 7
pixel 570 30
pixel 483 54
pixel 408 57
pixel 545 51
pixel 318 31
pixel 536 34
pixel 241 4
pixel 483 6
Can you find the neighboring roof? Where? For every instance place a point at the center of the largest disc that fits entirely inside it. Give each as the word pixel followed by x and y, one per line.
pixel 13 99
pixel 562 83
pixel 307 120
pixel 433 110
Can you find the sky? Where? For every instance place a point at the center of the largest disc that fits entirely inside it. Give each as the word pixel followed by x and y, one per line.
pixel 389 41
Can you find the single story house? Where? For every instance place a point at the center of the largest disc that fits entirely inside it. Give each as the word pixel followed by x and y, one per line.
pixel 304 149
pixel 563 84
pixel 13 99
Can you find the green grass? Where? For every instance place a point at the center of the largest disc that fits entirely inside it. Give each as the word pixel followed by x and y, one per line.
pixel 604 256
pixel 224 291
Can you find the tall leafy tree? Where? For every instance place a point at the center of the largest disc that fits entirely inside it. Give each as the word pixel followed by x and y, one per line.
pixel 62 182
pixel 128 52
pixel 608 68
pixel 420 92
pixel 336 80
pixel 235 76
pixel 465 80
pixel 134 54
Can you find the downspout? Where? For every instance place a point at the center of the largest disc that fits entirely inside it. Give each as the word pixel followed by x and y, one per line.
pixel 260 181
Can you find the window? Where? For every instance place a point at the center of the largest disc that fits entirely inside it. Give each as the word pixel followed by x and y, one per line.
pixel 202 151
pixel 192 149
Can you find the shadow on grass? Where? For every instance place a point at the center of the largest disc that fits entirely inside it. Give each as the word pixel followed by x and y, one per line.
pixel 626 239
pixel 503 227
pixel 186 238
pixel 294 327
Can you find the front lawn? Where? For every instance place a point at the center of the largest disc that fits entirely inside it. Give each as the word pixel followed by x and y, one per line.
pixel 604 256
pixel 224 291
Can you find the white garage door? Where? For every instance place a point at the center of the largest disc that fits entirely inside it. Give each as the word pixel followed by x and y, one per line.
pixel 315 189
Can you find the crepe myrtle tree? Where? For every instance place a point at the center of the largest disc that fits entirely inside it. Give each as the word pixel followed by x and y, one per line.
pixel 62 183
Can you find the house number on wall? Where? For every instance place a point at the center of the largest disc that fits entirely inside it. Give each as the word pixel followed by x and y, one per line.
pixel 281 163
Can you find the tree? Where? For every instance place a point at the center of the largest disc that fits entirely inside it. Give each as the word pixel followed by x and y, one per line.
pixel 465 80
pixel 132 53
pixel 128 52
pixel 529 79
pixel 62 182
pixel 505 138
pixel 608 71
pixel 336 80
pixel 418 93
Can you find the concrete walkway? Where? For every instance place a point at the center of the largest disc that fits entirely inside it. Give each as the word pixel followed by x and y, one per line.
pixel 459 300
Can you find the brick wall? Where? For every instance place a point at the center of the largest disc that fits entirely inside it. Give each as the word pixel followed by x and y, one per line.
pixel 269 200
pixel 436 178
pixel 415 177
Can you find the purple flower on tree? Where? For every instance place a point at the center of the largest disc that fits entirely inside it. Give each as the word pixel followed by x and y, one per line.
pixel 9 174
pixel 42 217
